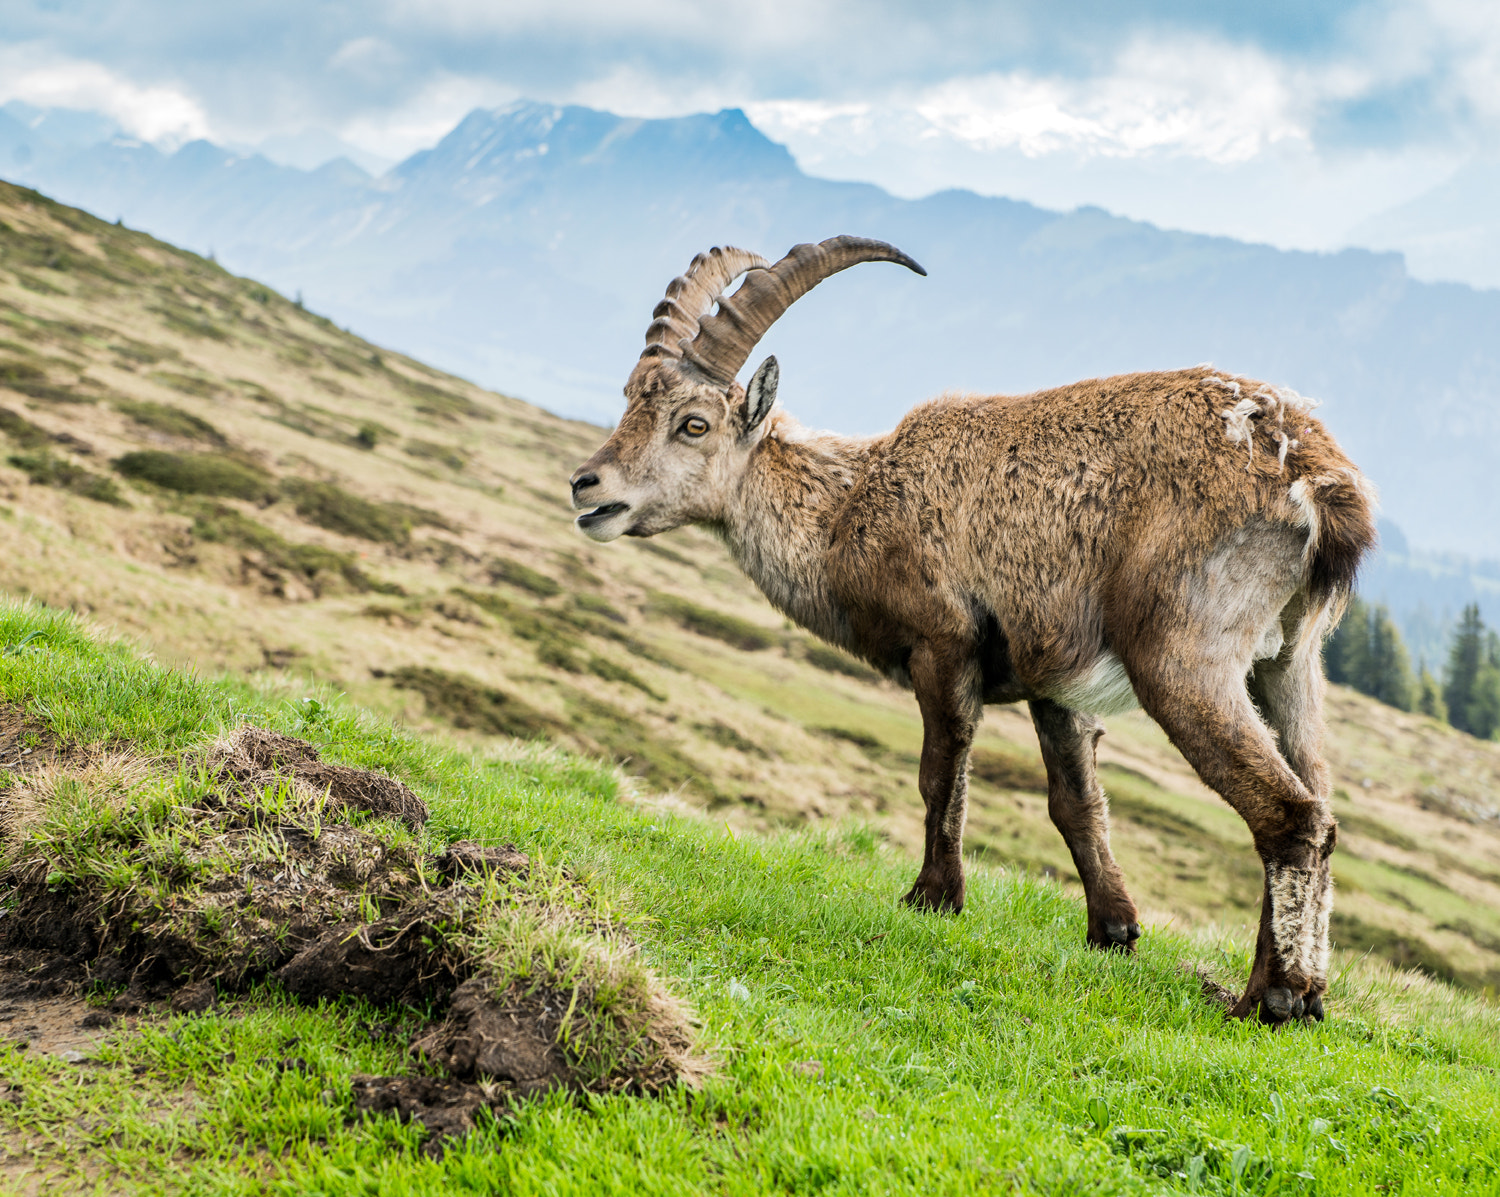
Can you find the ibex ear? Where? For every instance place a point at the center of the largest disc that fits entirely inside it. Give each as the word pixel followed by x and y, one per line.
pixel 760 395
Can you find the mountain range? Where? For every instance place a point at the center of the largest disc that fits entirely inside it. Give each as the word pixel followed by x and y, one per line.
pixel 527 248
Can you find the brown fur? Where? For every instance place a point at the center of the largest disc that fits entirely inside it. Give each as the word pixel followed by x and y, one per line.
pixel 1132 534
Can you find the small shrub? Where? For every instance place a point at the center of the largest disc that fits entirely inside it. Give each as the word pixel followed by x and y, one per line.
pixel 163 417
pixel 610 672
pixel 188 384
pixel 334 508
pixel 15 374
pixel 470 705
pixel 313 563
pixel 45 470
pixel 831 660
pixel 422 517
pixel 32 381
pixel 1008 770
pixel 718 625
pixel 331 506
pixel 368 435
pixel 727 737
pixel 454 459
pixel 861 740
pixel 198 474
pixel 436 401
pixel 559 655
pixel 595 605
pixel 503 569
pixel 22 431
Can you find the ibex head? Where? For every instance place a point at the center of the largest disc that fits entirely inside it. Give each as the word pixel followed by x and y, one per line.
pixel 689 427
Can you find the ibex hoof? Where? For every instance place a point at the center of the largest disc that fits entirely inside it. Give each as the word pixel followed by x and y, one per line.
pixel 1115 937
pixel 935 898
pixel 1279 1005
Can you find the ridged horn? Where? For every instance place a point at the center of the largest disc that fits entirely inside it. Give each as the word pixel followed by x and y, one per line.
pixel 691 295
pixel 724 340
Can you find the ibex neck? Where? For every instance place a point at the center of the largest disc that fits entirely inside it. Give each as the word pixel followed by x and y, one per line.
pixel 778 524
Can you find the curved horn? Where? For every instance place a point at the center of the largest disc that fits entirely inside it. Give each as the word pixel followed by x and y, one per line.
pixel 691 295
pixel 725 339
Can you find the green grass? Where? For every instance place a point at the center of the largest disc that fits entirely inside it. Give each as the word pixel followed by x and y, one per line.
pixel 861 1047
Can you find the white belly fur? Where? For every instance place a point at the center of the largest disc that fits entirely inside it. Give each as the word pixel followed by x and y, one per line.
pixel 1104 689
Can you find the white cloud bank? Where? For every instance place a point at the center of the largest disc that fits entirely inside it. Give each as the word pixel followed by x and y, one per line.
pixel 157 113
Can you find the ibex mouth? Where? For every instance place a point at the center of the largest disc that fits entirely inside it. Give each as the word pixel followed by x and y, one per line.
pixel 597 516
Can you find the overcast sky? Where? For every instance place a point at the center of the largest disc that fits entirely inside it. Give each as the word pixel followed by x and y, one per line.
pixel 1290 121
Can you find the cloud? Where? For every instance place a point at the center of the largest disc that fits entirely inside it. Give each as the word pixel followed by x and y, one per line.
pixel 1148 108
pixel 161 114
pixel 1201 99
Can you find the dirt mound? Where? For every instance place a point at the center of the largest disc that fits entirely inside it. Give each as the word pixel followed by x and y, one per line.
pixel 173 889
pixel 255 758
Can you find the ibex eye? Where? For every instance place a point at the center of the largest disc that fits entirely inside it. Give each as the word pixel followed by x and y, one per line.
pixel 693 426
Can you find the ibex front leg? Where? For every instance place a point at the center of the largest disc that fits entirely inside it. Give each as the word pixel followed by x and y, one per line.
pixel 947 684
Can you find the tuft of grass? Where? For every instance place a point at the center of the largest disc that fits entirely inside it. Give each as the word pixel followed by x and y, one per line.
pixel 44 469
pixel 595 605
pixel 470 705
pixel 188 384
pixel 605 668
pixel 437 401
pixel 198 474
pixel 163 417
pixel 331 506
pixel 718 625
pixel 515 573
pixel 445 455
pixel 833 660
pixel 22 431
pixel 316 565
pixel 1008 770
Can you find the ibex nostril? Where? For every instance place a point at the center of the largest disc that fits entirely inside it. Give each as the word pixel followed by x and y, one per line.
pixel 585 482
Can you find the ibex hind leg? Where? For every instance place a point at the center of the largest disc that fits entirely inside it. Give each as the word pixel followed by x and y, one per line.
pixel 1288 690
pixel 1079 810
pixel 1205 708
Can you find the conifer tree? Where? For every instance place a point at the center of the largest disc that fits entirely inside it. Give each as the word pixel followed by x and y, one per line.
pixel 1466 658
pixel 1484 707
pixel 1387 667
pixel 1344 654
pixel 1366 651
pixel 1430 695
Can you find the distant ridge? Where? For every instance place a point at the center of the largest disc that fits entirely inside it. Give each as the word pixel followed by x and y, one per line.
pixel 527 248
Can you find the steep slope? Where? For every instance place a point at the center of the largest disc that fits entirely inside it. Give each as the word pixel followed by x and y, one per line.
pixel 528 247
pixel 240 485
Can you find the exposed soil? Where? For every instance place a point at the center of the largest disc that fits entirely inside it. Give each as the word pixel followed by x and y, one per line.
pixel 25 744
pixel 265 871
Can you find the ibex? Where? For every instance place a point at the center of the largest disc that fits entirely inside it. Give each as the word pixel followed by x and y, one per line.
pixel 1179 540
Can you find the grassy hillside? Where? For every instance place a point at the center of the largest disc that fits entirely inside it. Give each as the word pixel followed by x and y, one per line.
pixel 238 485
pixel 856 1046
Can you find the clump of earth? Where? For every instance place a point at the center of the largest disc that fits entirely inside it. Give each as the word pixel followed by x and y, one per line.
pixel 257 860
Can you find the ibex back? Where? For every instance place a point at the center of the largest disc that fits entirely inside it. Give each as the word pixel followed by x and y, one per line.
pixel 1180 540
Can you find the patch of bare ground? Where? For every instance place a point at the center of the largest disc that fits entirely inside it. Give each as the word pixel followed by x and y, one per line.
pixel 171 887
pixel 25 743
